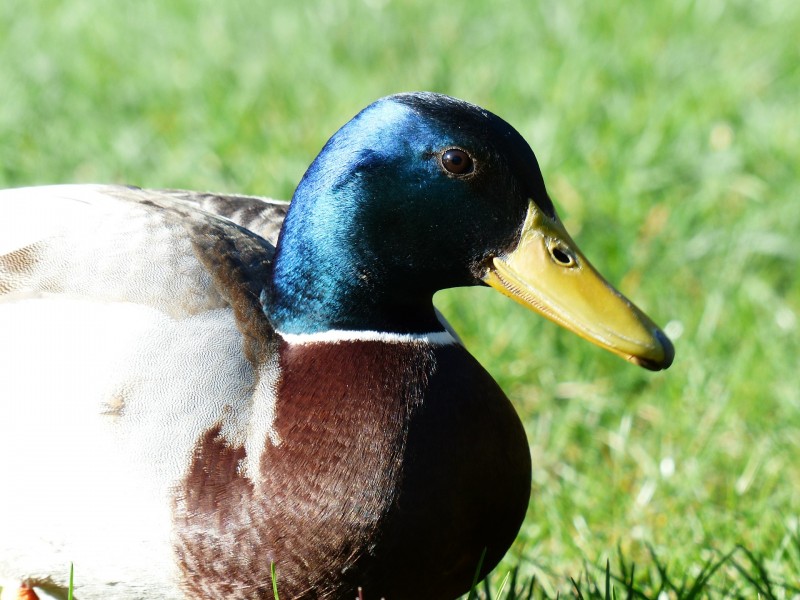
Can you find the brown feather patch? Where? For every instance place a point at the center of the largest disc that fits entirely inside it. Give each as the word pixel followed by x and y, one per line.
pixel 398 464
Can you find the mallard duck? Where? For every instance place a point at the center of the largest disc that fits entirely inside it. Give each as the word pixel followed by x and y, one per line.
pixel 187 402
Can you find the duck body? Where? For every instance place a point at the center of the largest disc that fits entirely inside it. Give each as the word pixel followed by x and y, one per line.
pixel 192 399
pixel 364 442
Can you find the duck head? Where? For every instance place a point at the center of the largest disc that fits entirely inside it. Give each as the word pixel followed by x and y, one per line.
pixel 421 192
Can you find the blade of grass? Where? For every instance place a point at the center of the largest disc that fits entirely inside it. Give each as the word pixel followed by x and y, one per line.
pixel 474 586
pixel 766 589
pixel 577 589
pixel 662 571
pixel 274 578
pixel 700 584
pixel 503 585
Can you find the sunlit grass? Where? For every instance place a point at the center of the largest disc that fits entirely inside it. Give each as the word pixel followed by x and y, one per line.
pixel 668 135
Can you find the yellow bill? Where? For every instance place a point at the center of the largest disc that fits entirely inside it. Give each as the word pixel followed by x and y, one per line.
pixel 548 273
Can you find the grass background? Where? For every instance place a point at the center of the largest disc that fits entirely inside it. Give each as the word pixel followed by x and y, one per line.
pixel 668 134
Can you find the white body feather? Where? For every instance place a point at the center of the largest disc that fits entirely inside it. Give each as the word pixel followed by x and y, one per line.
pixel 107 380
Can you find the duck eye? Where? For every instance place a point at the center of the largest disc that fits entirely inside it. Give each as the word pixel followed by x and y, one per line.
pixel 457 162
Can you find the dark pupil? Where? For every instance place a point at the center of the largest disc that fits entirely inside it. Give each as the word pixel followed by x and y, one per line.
pixel 457 162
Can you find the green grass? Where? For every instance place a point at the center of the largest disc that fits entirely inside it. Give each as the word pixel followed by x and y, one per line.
pixel 669 135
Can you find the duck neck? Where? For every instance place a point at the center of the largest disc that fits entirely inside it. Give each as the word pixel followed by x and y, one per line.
pixel 324 279
pixel 315 300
